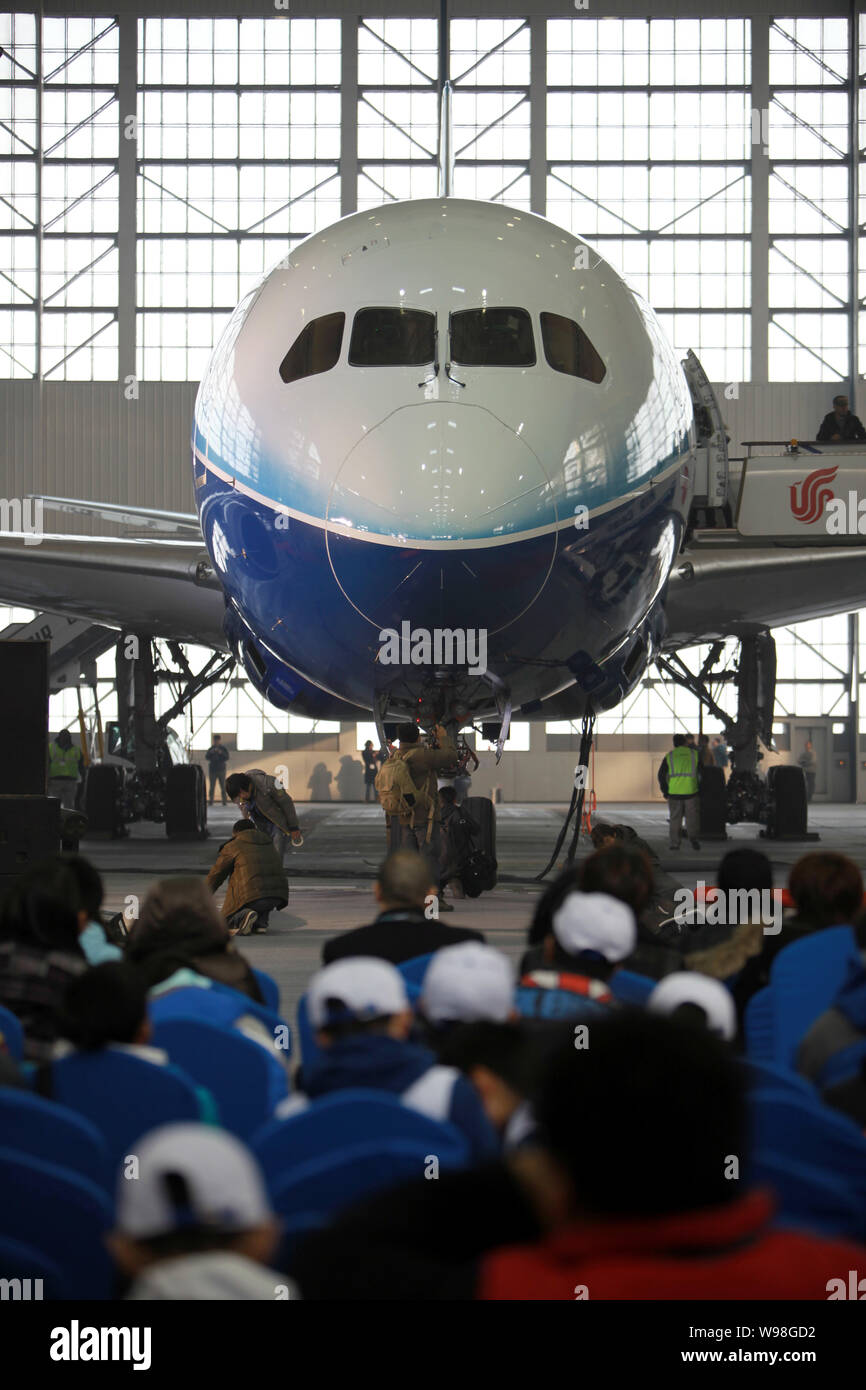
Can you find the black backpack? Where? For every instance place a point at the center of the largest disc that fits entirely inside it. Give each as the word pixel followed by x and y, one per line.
pixel 478 873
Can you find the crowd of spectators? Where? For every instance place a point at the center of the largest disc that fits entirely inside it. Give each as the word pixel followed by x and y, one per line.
pixel 652 1105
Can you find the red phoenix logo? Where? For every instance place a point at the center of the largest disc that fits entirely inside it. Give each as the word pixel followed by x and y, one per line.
pixel 809 498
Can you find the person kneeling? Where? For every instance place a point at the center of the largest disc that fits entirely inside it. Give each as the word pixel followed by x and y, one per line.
pixel 257 882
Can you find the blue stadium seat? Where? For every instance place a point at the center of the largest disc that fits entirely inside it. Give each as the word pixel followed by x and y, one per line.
pixel 413 972
pixel 221 1006
pixel 246 1080
pixel 630 988
pixel 269 988
pixel 310 1050
pixel 63 1216
pixel 783 1123
pixel 293 1229
pixel 11 1034
pixel 21 1261
pixel 758 1026
pixel 44 1129
pixel 346 1121
pixel 805 978
pixel 342 1149
pixel 808 1198
pixel 123 1095
pixel 309 1194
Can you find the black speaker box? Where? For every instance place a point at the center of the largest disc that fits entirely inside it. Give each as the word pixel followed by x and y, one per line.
pixel 24 714
pixel 29 831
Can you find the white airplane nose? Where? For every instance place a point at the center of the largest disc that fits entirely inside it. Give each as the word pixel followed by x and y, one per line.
pixel 440 471
pixel 452 484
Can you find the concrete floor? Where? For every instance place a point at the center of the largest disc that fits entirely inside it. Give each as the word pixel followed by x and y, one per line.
pixel 332 875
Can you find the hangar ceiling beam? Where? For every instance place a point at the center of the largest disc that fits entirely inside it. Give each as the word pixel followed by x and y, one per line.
pixel 760 239
pixel 127 193
pixel 538 115
pixel 349 116
pixel 855 299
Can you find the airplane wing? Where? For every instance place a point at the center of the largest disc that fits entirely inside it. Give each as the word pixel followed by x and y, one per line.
pixel 165 588
pixel 724 588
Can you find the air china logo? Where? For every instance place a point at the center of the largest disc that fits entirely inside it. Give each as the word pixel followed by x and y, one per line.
pixel 809 498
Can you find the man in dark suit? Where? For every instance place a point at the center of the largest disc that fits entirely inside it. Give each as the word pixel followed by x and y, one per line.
pixel 840 424
pixel 403 929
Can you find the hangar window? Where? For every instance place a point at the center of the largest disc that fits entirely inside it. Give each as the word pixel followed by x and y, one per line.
pixel 316 348
pixel 568 349
pixel 492 338
pixel 392 338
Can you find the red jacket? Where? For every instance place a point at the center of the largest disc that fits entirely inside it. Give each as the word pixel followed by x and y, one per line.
pixel 725 1252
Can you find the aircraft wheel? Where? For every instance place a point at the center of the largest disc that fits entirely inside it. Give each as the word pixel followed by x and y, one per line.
pixel 483 812
pixel 186 803
pixel 102 795
pixel 788 810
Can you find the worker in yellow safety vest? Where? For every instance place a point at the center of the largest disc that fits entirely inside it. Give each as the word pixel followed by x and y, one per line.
pixel 679 775
pixel 64 769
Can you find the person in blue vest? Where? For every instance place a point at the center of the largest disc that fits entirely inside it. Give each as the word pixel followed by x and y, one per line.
pixel 678 775
pixel 64 769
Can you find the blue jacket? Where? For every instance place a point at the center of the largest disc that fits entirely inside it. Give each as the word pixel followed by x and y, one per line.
pixel 410 1072
pixel 832 1049
pixel 555 993
pixel 851 999
pixel 96 946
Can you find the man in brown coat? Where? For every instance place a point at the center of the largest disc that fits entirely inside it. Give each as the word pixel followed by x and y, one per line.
pixel 257 882
pixel 423 763
pixel 268 805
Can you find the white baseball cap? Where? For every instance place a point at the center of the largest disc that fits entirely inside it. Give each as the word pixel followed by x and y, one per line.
pixel 595 922
pixel 361 986
pixel 688 987
pixel 467 983
pixel 191 1175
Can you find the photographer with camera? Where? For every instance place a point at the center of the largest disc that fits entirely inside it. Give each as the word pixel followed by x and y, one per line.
pixel 406 785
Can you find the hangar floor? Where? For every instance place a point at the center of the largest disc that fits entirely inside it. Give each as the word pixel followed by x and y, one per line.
pixel 332 875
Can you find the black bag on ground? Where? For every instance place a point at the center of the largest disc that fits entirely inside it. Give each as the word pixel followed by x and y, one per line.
pixel 478 873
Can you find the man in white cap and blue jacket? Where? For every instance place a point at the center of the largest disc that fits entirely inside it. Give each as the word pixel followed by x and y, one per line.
pixel 362 1018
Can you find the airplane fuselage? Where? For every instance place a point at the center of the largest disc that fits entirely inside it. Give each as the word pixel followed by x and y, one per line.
pixel 453 415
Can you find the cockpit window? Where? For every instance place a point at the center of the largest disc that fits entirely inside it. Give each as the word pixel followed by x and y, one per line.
pixel 316 348
pixel 568 349
pixel 392 338
pixel 492 338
